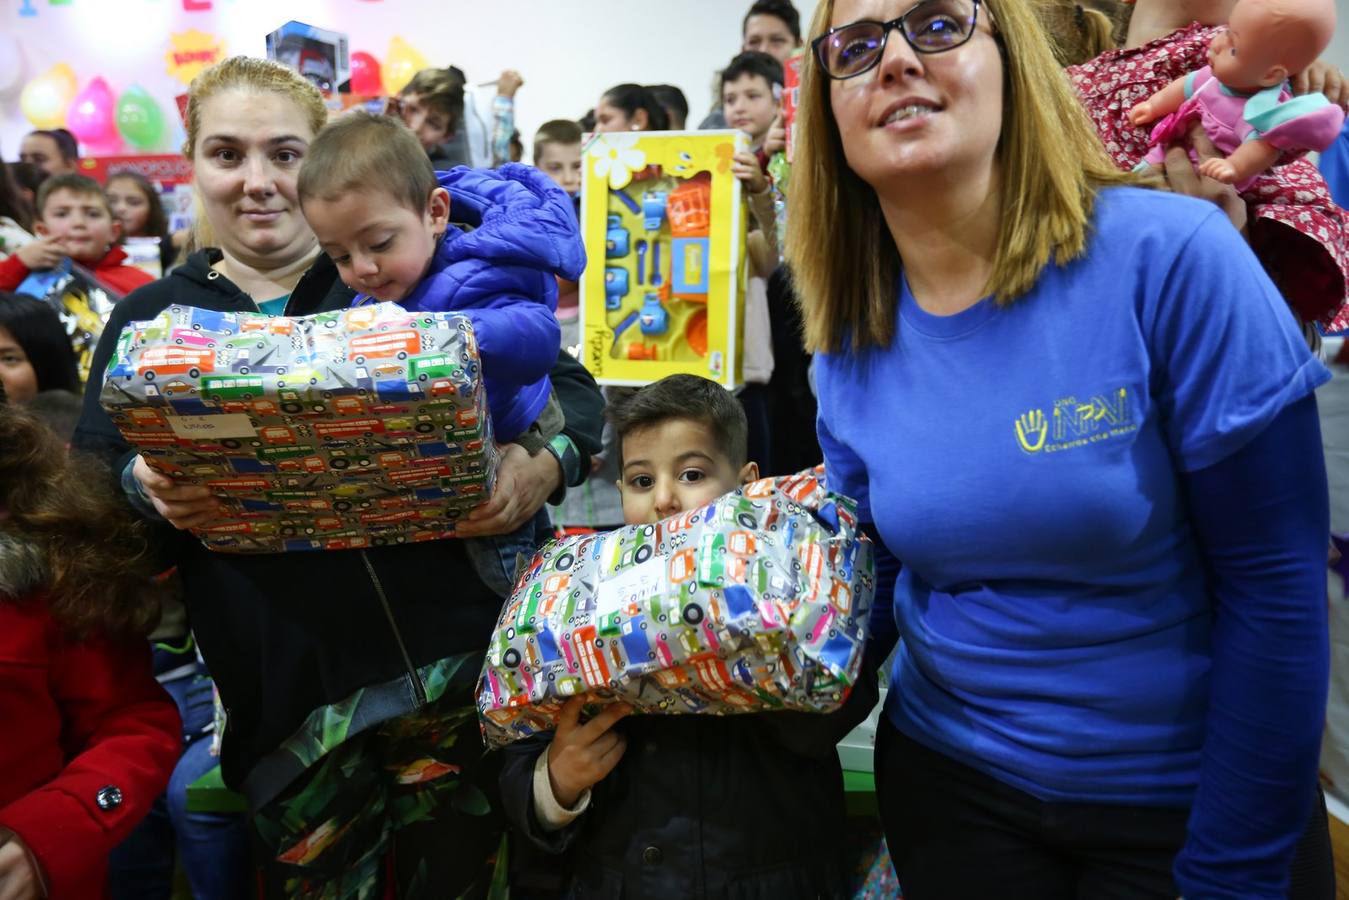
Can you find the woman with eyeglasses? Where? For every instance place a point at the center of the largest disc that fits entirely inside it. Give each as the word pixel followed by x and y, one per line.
pixel 1081 425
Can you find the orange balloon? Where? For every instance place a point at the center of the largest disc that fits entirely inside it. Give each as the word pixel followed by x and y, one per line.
pixel 400 64
pixel 64 75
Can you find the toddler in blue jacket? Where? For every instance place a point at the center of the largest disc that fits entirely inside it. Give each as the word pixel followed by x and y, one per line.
pixel 388 220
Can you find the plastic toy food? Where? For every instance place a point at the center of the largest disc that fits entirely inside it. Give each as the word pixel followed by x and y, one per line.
pixel 664 209
pixel 757 601
pixel 336 431
pixel 1241 97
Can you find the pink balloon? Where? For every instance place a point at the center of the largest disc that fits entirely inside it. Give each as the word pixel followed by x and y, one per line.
pixel 91 115
pixel 365 74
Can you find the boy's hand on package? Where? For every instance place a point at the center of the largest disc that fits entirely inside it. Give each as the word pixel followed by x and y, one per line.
pixel 509 82
pixel 183 505
pixel 18 879
pixel 776 140
pixel 581 755
pixel 524 482
pixel 43 253
pixel 1325 78
pixel 745 167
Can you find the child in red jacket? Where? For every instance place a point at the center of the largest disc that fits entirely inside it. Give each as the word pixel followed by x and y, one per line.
pixel 90 737
pixel 74 219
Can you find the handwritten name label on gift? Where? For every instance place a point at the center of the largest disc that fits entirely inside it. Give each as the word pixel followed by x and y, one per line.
pixel 235 425
pixel 628 590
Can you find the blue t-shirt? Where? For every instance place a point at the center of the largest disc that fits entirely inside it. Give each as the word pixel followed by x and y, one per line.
pixel 1022 463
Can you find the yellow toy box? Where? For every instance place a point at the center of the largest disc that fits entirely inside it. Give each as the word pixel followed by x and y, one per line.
pixel 664 232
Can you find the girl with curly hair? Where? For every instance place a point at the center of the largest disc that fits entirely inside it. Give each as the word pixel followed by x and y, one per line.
pixel 90 737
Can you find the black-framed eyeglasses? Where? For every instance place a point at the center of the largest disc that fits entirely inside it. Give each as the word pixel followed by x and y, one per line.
pixel 933 26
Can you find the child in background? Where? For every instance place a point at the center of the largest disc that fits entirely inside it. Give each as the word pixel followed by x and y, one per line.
pixel 630 107
pixel 595 504
pixel 37 365
pixel 375 204
pixel 136 204
pixel 675 104
pixel 751 97
pixel 1292 223
pixel 438 106
pixel 557 154
pixel 89 737
pixel 74 220
pixel 432 106
pixel 686 805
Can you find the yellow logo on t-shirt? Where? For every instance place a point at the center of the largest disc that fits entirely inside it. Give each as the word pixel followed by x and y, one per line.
pixel 1073 423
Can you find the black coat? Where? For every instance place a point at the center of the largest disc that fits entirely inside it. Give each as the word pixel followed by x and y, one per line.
pixel 285 634
pixel 741 807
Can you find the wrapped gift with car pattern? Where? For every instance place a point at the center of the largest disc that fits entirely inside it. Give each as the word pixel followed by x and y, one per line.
pixel 361 427
pixel 756 602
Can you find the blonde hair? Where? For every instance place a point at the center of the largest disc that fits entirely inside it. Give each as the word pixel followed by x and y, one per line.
pixel 245 73
pixel 1080 32
pixel 844 261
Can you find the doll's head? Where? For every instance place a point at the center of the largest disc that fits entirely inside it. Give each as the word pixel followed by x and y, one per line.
pixel 1268 41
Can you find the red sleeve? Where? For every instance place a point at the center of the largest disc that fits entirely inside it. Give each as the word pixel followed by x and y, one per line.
pixel 123 279
pixel 122 737
pixel 12 272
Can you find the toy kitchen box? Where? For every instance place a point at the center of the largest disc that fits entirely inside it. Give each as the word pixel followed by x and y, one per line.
pixel 363 427
pixel 664 231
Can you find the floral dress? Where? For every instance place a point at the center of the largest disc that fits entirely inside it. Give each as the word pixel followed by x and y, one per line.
pixel 1296 230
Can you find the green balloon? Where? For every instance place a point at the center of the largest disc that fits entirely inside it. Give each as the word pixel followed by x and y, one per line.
pixel 139 120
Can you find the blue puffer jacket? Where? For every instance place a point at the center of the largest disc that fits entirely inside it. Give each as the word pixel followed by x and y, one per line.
pixel 501 275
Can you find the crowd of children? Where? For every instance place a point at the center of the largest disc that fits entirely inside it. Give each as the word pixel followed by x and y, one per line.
pixel 426 206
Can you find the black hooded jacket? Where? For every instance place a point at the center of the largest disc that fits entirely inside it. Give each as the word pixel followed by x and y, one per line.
pixel 285 634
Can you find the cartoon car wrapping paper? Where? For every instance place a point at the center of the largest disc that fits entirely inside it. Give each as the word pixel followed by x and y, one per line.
pixel 757 601
pixel 347 429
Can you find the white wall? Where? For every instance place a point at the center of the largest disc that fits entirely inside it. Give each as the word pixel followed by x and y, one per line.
pixel 569 51
pixel 1339 48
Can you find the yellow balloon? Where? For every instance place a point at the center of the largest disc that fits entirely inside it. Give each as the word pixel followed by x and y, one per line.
pixel 43 102
pixel 64 75
pixel 400 64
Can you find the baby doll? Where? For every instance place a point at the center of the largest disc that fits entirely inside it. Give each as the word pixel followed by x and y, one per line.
pixel 1241 96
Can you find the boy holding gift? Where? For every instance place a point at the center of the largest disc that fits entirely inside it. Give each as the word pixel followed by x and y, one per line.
pixel 686 805
pixel 382 214
pixel 74 220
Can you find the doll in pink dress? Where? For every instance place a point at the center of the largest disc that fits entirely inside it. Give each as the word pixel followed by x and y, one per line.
pixel 1241 97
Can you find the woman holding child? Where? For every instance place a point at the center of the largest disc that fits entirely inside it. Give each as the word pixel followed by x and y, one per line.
pixel 1079 415
pixel 347 676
